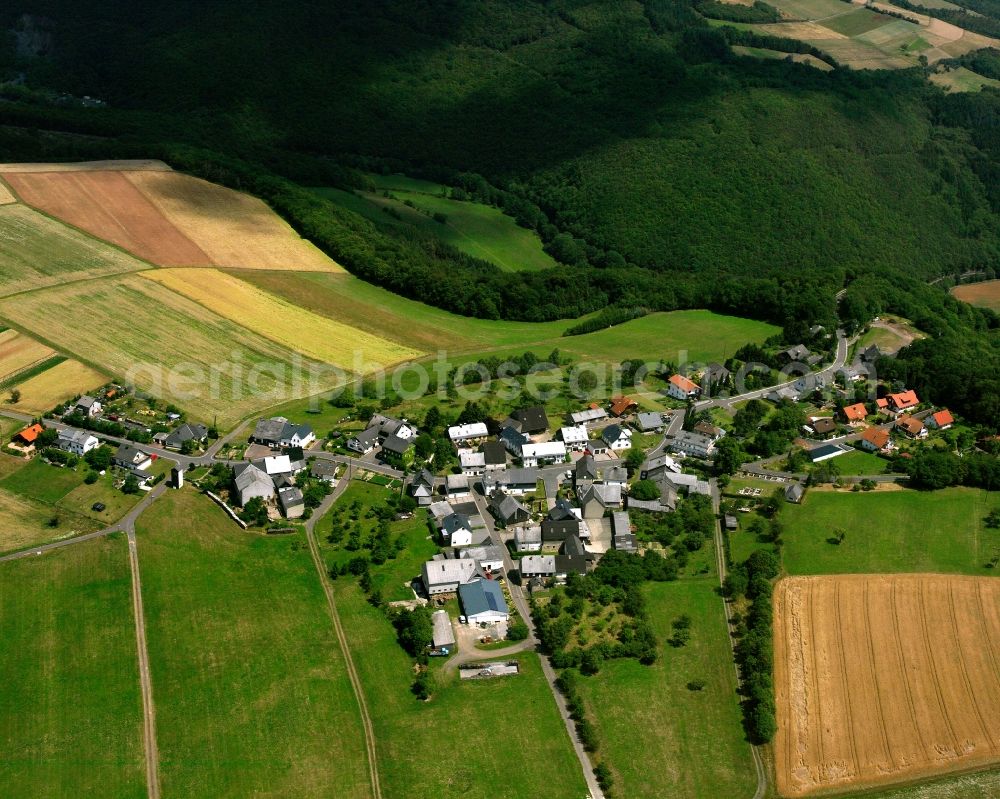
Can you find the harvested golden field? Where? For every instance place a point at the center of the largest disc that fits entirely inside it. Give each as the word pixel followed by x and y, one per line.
pixel 884 678
pixel 54 386
pixel 171 346
pixel 234 229
pixel 315 336
pixel 985 294
pixel 18 352
pixel 106 205
pixel 6 195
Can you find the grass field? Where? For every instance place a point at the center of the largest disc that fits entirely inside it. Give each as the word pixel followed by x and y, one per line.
pixel 480 230
pixel 42 392
pixel 985 294
pixel 18 352
pixel 646 715
pixel 70 713
pixel 860 463
pixel 856 22
pixel 36 251
pixel 800 58
pixel 474 739
pixel 892 531
pixel 233 229
pixel 301 330
pixel 884 678
pixel 251 691
pixel 962 80
pixel 168 345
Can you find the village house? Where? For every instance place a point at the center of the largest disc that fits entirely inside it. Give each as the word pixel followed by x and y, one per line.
pixel 292 502
pixel 364 442
pixel 494 455
pixel 489 557
pixel 617 437
pixel 694 444
pixel 528 538
pixel 465 433
pixel 378 430
pixel 563 509
pixel 546 452
pixel 585 471
pixel 541 566
pixel 457 487
pixel 897 403
pixel 186 432
pixel 597 498
pixel 621 532
pixel 88 406
pixel 456 530
pixel 278 432
pixel 555 532
pixel 709 430
pixel 911 426
pixel 655 468
pixel 820 426
pixel 252 482
pixel 854 413
pixel 132 458
pixel 594 413
pixel 799 352
pixel 483 602
pixel 472 463
pixel 649 422
pixel 622 406
pixel 513 440
pixel 445 576
pixel 533 420
pixel 29 435
pixel 575 438
pixel 875 439
pixel 691 483
pixel 794 493
pixel 941 420
pixel 507 510
pixel 396 451
pixel 597 446
pixel 324 470
pixel 517 482
pixel 78 442
pixel 713 377
pixel 422 487
pixel 682 388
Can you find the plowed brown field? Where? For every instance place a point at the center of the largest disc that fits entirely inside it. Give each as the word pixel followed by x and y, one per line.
pixel 107 205
pixel 884 678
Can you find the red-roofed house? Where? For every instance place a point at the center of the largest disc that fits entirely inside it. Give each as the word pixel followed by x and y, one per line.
pixel 882 404
pixel 903 401
pixel 941 420
pixel 622 405
pixel 854 413
pixel 29 435
pixel 912 426
pixel 682 388
pixel 875 439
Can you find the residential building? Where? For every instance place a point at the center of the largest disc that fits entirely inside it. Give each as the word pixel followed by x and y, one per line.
pixel 546 452
pixel 585 470
pixel 463 433
pixel 533 420
pixel 513 481
pixel 622 406
pixel 617 437
pixel 88 406
pixel 513 440
pixel 29 435
pixel 275 465
pixel 594 413
pixel 854 413
pixel 253 482
pixel 527 538
pixel 941 420
pixel 794 493
pixel 489 557
pixel 324 470
pixel 292 502
pixel 911 426
pixel 621 532
pixel 799 352
pixel 655 468
pixel 397 451
pixel 494 454
pixel 543 566
pixel 132 458
pixel 457 486
pixel 821 426
pixel 713 377
pixel 457 530
pixel 422 487
pixel 507 510
pixel 897 403
pixel 870 355
pixel 278 432
pixel 694 444
pixel 557 531
pixel 562 510
pixel 178 437
pixel 598 498
pixel 875 439
pixel 691 483
pixel 615 475
pixel 364 442
pixel 709 430
pixel 649 422
pixel 79 442
pixel 472 463
pixel 483 602
pixel 445 576
pixel 597 446
pixel 575 438
pixel 682 388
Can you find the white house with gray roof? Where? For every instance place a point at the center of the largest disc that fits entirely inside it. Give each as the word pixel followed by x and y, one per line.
pixel 445 576
pixel 79 442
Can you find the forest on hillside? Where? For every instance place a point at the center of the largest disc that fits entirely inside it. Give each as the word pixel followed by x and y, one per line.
pixel 660 169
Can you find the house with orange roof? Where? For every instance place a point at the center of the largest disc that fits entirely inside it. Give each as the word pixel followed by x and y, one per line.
pixel 622 405
pixel 29 435
pixel 912 426
pixel 682 388
pixel 854 413
pixel 903 401
pixel 875 439
pixel 941 420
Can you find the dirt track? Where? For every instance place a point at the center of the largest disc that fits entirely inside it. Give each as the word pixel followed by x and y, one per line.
pixel 884 678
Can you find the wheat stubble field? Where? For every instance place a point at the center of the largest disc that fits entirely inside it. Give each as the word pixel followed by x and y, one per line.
pixel 884 678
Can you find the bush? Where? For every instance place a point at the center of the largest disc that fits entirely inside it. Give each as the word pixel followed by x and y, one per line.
pixel 91 478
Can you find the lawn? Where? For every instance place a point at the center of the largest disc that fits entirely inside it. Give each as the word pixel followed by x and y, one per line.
pixel 891 531
pixel 860 463
pixel 251 689
pixel 42 482
pixel 646 715
pixel 488 739
pixel 481 231
pixel 70 710
pixel 393 577
pixel 171 346
pixel 38 251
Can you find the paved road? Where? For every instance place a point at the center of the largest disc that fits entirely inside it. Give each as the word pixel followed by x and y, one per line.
pixel 145 681
pixel 359 695
pixel 720 555
pixel 521 604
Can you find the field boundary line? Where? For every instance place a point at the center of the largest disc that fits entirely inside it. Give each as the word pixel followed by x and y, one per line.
pixel 934 671
pixel 907 688
pixel 815 670
pixel 965 671
pixel 366 722
pixel 145 681
pixel 846 683
pixel 875 678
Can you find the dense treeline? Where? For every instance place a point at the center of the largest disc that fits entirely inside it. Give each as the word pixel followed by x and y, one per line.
pixel 759 12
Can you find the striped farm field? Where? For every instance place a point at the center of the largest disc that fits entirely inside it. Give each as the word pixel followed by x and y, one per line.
pixel 36 251
pixel 18 352
pixel 63 381
pixel 233 229
pixel 882 679
pixel 175 348
pixel 314 336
